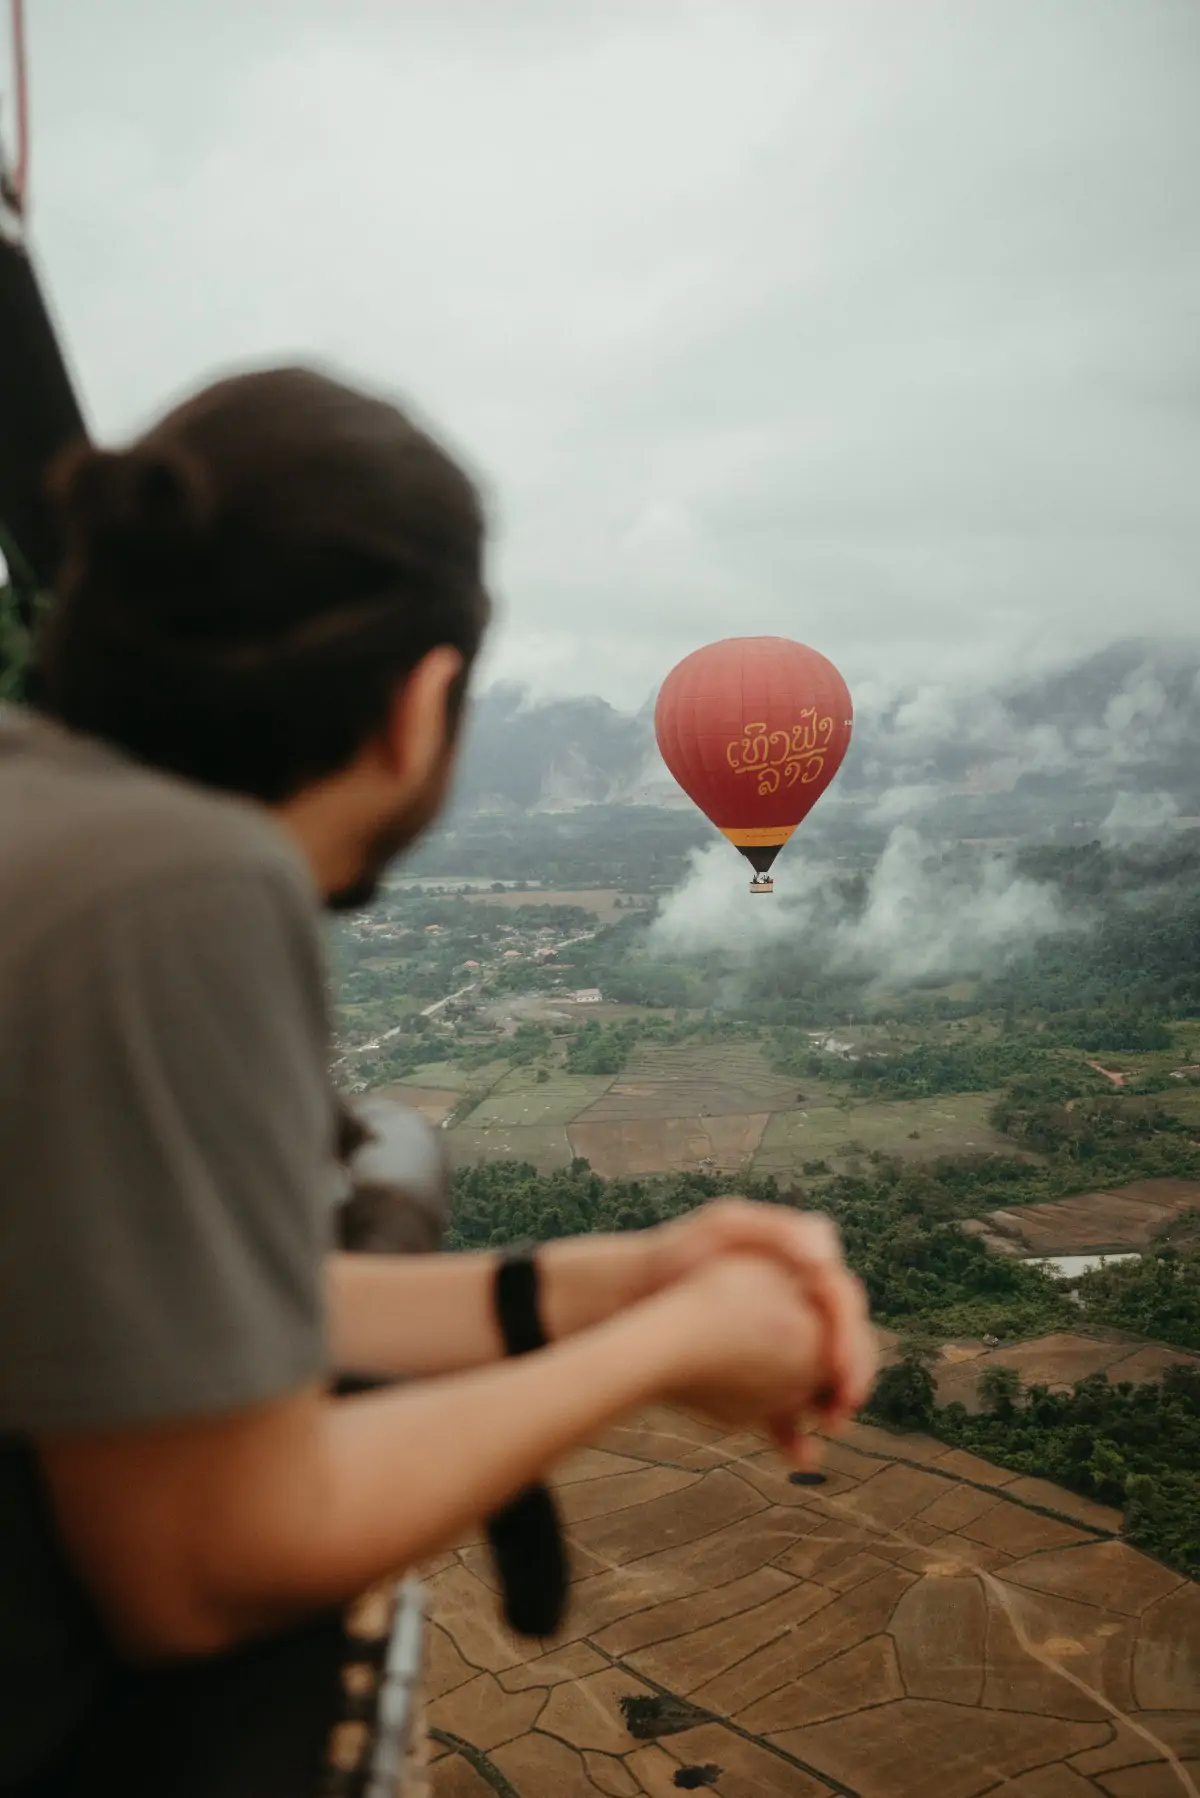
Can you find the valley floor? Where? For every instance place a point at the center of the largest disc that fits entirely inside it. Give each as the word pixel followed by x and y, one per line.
pixel 920 1623
pixel 705 1108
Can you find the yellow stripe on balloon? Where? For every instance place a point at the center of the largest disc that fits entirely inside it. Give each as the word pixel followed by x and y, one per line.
pixel 768 837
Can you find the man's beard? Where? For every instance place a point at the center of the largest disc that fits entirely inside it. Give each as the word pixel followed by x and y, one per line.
pixel 393 836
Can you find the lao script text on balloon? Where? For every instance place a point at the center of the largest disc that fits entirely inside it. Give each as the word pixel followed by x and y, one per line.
pixel 782 755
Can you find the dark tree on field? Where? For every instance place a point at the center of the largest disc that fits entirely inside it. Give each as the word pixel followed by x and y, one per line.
pixel 999 1390
pixel 905 1392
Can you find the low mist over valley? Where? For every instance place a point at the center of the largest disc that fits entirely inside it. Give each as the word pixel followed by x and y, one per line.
pixel 922 861
pixel 1060 752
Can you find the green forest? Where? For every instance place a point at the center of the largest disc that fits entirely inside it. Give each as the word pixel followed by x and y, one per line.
pixel 900 1223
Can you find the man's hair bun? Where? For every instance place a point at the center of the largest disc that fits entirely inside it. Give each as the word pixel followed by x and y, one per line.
pixel 143 511
pixel 245 589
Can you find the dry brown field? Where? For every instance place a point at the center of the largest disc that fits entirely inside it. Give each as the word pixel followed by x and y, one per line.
pixel 1057 1360
pixel 656 1145
pixel 601 901
pixel 922 1625
pixel 434 1104
pixel 1091 1222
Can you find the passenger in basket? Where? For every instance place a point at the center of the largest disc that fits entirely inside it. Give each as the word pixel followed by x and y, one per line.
pixel 249 694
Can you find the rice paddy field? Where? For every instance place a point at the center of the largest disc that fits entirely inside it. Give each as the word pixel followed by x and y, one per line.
pixel 638 1146
pixel 544 1145
pixel 715 1107
pixel 520 1099
pixel 917 1623
pixel 600 901
pixel 434 1104
pixel 1057 1360
pixel 450 1076
pixel 917 1129
pixel 1127 1219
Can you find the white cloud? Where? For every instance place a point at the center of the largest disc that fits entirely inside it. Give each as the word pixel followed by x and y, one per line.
pixel 923 915
pixel 1138 817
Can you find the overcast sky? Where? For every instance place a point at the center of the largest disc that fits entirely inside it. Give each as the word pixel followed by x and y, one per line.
pixel 873 324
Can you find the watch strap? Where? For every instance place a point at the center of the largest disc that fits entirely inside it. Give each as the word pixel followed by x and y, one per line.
pixel 517 1293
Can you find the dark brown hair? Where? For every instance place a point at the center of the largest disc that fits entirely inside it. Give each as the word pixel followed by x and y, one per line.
pixel 246 586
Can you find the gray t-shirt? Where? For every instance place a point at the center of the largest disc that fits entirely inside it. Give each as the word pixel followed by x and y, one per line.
pixel 166 1132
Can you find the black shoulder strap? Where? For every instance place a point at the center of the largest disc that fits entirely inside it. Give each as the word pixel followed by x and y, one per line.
pixel 39 411
pixel 39 415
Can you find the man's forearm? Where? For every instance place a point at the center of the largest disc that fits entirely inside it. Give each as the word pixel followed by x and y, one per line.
pixel 454 1450
pixel 192 1534
pixel 233 1527
pixel 392 1315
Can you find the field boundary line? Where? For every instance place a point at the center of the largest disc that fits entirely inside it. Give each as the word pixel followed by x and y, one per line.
pixel 486 1768
pixel 998 1492
pixel 707 1716
pixel 953 1479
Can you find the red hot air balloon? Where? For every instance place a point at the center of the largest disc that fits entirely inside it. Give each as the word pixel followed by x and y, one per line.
pixel 754 729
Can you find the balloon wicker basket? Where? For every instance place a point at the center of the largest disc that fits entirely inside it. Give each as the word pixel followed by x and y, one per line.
pixel 762 883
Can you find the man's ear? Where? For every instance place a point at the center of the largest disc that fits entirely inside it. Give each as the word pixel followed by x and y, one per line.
pixel 418 729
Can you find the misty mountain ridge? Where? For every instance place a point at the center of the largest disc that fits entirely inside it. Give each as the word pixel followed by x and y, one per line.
pixel 1092 736
pixel 557 755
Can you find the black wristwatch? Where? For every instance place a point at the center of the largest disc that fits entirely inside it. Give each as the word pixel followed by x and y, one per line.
pixel 526 1535
pixel 517 1295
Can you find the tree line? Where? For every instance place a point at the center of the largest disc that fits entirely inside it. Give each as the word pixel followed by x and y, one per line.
pixel 1134 1447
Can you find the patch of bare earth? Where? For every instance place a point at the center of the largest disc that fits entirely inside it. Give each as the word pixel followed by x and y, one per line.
pixel 1092 1222
pixel 652 1145
pixel 919 1626
pixel 434 1104
pixel 1059 1361
pixel 600 901
pixel 1056 1360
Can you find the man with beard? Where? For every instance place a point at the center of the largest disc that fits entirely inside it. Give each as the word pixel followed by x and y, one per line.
pixel 249 692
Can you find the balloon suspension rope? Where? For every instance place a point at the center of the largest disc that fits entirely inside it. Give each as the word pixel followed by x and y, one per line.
pixel 14 182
